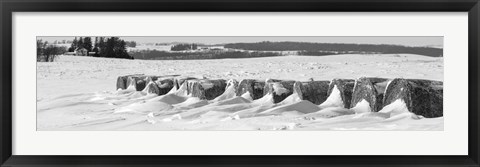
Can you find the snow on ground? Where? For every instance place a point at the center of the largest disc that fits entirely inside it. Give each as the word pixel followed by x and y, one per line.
pixel 78 93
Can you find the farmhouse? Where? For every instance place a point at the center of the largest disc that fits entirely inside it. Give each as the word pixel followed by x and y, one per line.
pixel 81 52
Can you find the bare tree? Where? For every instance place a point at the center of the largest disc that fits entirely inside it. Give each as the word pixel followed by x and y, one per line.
pixel 48 53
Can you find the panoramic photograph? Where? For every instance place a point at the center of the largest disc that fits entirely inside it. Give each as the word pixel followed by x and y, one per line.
pixel 239 83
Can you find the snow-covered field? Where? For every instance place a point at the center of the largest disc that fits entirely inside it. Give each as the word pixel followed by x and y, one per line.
pixel 78 93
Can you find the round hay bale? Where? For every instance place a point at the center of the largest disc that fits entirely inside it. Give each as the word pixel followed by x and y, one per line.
pixel 140 85
pixel 422 97
pixel 278 89
pixel 254 87
pixel 164 85
pixel 206 89
pixel 213 88
pixel 345 86
pixel 365 89
pixel 122 82
pixel 195 89
pixel 313 91
pixel 268 86
pixel 137 80
pixel 398 88
pixel 427 97
pixel 152 88
pixel 245 85
pixel 258 89
pixel 131 82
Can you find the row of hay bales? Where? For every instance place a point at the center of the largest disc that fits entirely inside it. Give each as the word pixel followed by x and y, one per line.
pixel 422 97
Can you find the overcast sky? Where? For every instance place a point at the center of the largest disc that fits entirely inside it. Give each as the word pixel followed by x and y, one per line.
pixel 395 40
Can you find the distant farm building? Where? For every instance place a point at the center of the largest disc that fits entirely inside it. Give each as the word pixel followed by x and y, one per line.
pixel 81 52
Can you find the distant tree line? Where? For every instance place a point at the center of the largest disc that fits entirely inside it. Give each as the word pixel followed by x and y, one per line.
pixel 182 47
pixel 131 44
pixel 325 53
pixel 165 55
pixel 319 53
pixel 110 47
pixel 48 52
pixel 338 47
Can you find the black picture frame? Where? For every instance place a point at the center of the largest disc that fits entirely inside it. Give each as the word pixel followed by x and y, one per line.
pixel 10 6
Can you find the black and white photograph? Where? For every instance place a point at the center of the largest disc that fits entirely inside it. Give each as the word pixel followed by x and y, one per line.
pixel 239 83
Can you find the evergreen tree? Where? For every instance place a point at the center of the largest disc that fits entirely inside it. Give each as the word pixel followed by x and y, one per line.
pixel 95 48
pixel 87 44
pixel 110 47
pixel 80 43
pixel 96 42
pixel 102 47
pixel 73 46
pixel 122 50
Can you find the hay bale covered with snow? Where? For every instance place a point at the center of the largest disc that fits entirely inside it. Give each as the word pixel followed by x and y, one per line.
pixel 427 98
pixel 267 88
pixel 140 85
pixel 371 90
pixel 152 88
pixel 278 89
pixel 123 81
pixel 254 87
pixel 345 87
pixel 195 89
pixel 178 81
pixel 398 88
pixel 140 81
pixel 164 85
pixel 422 97
pixel 213 88
pixel 137 81
pixel 313 91
pixel 206 89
